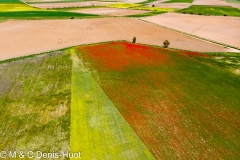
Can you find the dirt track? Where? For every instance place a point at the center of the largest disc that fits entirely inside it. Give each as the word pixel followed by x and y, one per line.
pixel 24 37
pixel 110 11
pixel 221 29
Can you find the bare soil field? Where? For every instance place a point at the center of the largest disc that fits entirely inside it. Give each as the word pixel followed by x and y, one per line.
pixel 236 5
pixel 71 4
pixel 25 37
pixel 170 5
pixel 133 1
pixel 158 1
pixel 160 4
pixel 110 11
pixel 211 2
pixel 215 3
pixel 221 29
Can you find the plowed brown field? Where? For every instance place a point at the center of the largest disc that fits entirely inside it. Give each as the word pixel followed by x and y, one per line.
pixel 220 29
pixel 210 2
pixel 25 37
pixel 110 11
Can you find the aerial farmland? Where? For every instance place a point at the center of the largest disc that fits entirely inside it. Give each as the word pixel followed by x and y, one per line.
pixel 120 79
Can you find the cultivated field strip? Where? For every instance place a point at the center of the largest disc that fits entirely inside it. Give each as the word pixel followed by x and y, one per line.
pixel 34 110
pixel 98 130
pixel 180 108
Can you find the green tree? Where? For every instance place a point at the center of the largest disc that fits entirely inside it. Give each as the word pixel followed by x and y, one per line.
pixel 166 44
pixel 134 40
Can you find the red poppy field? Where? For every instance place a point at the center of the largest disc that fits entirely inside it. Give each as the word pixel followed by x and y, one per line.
pixel 176 104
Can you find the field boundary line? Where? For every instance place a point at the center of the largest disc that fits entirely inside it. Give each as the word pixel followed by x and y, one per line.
pixel 120 40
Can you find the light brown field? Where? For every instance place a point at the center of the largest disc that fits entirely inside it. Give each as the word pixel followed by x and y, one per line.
pixel 215 3
pixel 25 37
pixel 171 5
pixel 71 4
pixel 211 2
pixel 236 5
pixel 133 1
pixel 221 29
pixel 160 4
pixel 158 1
pixel 110 11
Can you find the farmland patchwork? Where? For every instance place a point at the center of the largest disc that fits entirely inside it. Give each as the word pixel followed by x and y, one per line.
pixel 119 100
pixel 73 86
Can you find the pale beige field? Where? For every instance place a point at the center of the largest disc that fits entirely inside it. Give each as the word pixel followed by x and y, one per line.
pixel 133 1
pixel 221 29
pixel 157 1
pixel 170 5
pixel 215 3
pixel 236 5
pixel 210 2
pixel 25 37
pixel 110 11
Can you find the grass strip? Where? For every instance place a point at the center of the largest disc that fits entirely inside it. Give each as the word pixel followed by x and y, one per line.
pixel 98 130
pixel 43 15
pixel 233 1
pixel 211 10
